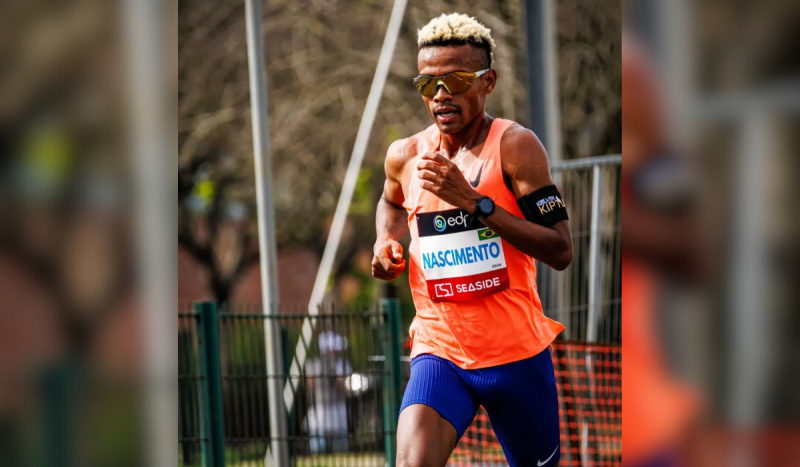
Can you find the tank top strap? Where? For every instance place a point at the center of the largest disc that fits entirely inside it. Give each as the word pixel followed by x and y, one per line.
pixel 492 180
pixel 492 144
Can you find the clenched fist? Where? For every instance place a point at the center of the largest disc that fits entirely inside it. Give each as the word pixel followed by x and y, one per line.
pixel 444 179
pixel 388 261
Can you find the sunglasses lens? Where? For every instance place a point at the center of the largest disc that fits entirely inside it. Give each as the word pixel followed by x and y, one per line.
pixel 454 83
pixel 424 85
pixel 457 83
pixel 429 89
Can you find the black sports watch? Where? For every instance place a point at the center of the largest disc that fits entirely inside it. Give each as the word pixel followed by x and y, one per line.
pixel 484 207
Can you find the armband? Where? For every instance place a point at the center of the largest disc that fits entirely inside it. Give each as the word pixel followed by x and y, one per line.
pixel 544 206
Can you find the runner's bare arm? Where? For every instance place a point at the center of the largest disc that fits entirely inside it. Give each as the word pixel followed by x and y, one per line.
pixel 390 217
pixel 525 161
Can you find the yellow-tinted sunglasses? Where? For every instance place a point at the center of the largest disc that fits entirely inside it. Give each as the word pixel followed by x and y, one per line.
pixel 455 82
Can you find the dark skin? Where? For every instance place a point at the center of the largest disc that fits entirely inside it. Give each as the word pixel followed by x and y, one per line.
pixel 424 438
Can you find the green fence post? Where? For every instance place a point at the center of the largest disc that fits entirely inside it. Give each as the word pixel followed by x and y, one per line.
pixel 202 390
pixel 210 390
pixel 393 375
pixel 60 389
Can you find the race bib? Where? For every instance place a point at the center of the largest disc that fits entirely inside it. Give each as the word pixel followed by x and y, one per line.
pixel 461 261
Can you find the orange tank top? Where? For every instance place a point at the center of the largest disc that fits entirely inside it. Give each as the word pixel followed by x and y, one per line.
pixel 658 408
pixel 475 294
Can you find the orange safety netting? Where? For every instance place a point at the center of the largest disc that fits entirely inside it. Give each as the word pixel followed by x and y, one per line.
pixel 589 379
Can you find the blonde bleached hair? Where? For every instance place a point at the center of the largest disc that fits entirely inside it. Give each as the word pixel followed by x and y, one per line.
pixel 457 29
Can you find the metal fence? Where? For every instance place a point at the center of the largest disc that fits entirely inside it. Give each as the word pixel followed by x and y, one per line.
pixel 587 296
pixel 346 399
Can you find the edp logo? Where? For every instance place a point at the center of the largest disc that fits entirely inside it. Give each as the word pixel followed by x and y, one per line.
pixel 440 223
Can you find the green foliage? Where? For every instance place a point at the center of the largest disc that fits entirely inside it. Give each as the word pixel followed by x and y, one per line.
pixel 363 203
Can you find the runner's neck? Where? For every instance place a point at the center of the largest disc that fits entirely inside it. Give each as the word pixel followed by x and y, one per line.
pixel 472 135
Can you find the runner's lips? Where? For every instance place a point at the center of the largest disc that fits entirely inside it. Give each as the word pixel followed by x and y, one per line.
pixel 445 110
pixel 446 114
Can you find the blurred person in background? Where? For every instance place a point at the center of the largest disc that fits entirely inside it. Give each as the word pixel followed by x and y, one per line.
pixel 71 322
pixel 327 417
pixel 660 241
pixel 729 77
pixel 476 195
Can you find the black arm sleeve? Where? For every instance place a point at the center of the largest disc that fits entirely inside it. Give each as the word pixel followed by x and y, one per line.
pixel 544 206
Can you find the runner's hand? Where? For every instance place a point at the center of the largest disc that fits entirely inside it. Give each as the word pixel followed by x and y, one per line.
pixel 444 179
pixel 388 261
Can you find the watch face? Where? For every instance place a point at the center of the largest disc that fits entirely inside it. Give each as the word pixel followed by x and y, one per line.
pixel 485 206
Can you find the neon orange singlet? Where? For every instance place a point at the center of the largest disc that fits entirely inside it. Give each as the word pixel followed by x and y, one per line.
pixel 475 294
pixel 658 407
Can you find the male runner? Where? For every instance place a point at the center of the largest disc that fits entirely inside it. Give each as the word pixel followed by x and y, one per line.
pixel 475 192
pixel 660 241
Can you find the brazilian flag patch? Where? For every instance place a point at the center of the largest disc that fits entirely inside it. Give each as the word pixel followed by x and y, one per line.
pixel 486 234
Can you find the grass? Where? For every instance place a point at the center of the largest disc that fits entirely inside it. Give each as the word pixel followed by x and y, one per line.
pixel 344 460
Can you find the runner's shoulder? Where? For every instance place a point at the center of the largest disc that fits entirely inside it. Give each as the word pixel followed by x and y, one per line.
pixel 519 145
pixel 400 153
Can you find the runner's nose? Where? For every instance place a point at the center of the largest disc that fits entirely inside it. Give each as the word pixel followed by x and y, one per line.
pixel 441 94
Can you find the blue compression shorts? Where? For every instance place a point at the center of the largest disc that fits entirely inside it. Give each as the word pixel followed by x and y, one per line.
pixel 520 398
